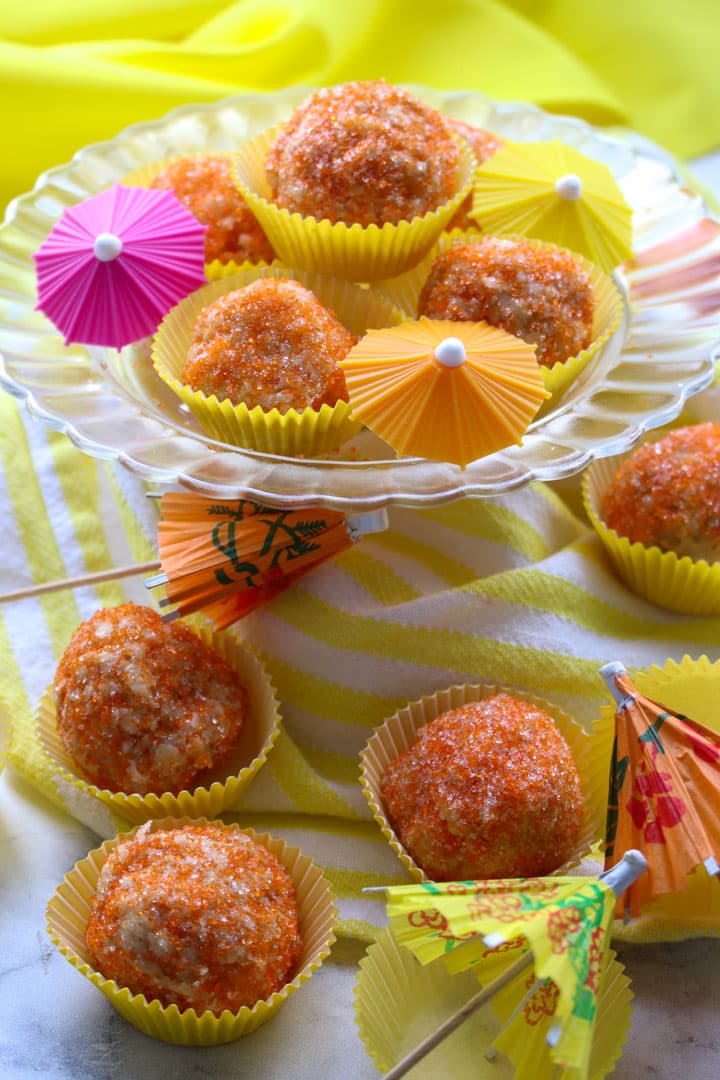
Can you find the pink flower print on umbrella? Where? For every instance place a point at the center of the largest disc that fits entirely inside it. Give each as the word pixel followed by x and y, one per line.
pixel 114 265
pixel 664 791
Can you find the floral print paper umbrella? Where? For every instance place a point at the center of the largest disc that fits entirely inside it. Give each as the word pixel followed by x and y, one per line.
pixel 115 264
pixel 227 558
pixel 551 191
pixel 664 792
pixel 502 928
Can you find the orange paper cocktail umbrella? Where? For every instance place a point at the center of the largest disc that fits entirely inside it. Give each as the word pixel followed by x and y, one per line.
pixel 226 558
pixel 450 391
pixel 664 792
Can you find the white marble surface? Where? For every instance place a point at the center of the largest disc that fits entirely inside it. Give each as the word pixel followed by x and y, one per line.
pixel 53 1023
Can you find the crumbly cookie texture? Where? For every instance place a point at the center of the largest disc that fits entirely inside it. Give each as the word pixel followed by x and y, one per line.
pixel 540 294
pixel 363 152
pixel 272 344
pixel 488 790
pixel 667 493
pixel 205 185
pixel 144 706
pixel 201 917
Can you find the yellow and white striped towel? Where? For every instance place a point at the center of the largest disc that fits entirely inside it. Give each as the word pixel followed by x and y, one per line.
pixel 512 590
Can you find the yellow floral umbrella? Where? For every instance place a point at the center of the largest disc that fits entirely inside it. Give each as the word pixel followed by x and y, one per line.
pixel 558 925
pixel 444 390
pixel 551 191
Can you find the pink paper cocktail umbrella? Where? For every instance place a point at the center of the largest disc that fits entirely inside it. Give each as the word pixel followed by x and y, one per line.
pixel 113 266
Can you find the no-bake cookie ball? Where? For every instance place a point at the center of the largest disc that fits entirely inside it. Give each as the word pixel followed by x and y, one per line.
pixel 667 493
pixel 144 706
pixel 205 185
pixel 271 343
pixel 540 294
pixel 365 152
pixel 201 917
pixel 488 790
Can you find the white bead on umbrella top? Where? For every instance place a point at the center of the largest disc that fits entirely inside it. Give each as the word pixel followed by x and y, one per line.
pixel 450 352
pixel 107 246
pixel 569 187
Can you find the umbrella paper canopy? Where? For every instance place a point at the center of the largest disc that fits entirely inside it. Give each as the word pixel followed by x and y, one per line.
pixel 562 923
pixel 115 264
pixel 451 391
pixel 227 558
pixel 664 791
pixel 551 191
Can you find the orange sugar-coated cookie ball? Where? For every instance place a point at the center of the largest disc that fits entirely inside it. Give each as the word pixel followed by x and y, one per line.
pixel 205 185
pixel 540 294
pixel 271 343
pixel 484 144
pixel 144 706
pixel 488 790
pixel 667 493
pixel 365 152
pixel 201 917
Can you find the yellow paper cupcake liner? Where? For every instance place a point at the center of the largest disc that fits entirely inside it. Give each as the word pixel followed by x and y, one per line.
pixel 404 291
pixel 401 729
pixel 217 789
pixel 691 688
pixel 347 251
pixel 681 584
pixel 398 1002
pixel 67 916
pixel 295 433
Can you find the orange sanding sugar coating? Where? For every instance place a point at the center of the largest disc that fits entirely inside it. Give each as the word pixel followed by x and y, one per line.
pixel 488 790
pixel 540 294
pixel 200 917
pixel 143 706
pixel 484 144
pixel 272 344
pixel 365 152
pixel 205 185
pixel 667 493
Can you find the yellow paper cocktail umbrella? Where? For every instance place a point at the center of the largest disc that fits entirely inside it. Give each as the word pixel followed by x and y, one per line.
pixel 558 928
pixel 551 191
pixel 444 390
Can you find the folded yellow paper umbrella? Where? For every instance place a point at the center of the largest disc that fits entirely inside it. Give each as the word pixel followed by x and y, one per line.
pixel 226 558
pixel 560 926
pixel 551 191
pixel 664 792
pixel 451 391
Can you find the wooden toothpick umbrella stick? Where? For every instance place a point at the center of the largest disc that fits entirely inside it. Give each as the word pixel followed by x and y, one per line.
pixel 113 574
pixel 225 558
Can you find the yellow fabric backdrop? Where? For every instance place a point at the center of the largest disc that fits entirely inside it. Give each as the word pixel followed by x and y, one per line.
pixel 73 72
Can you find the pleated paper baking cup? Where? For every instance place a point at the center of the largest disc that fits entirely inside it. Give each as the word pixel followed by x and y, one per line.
pixel 295 433
pixel 690 687
pixel 677 583
pixel 217 789
pixel 401 730
pixel 69 909
pixel 404 292
pixel 398 1002
pixel 353 252
pixel 144 176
